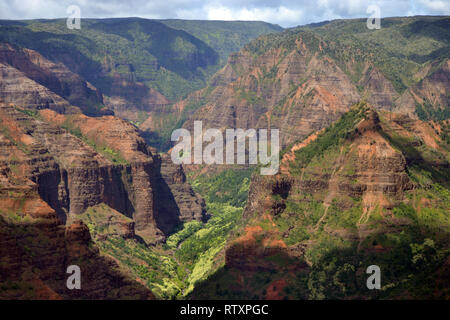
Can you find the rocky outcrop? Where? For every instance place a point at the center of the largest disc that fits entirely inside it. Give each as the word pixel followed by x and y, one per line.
pixel 133 100
pixel 106 223
pixel 79 162
pixel 16 87
pixel 36 248
pixel 190 204
pixel 37 251
pixel 369 168
pixel 299 82
pixel 55 77
pixel 108 163
pixel 340 193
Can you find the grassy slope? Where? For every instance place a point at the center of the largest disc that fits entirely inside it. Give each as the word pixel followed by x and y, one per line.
pixel 224 36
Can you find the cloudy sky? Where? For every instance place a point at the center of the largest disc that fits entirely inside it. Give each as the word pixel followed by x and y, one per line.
pixel 286 13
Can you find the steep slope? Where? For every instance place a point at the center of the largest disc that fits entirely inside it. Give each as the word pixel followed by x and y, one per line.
pixel 36 248
pixel 16 87
pixel 281 88
pixel 140 65
pixel 85 168
pixel 224 37
pixel 429 99
pixel 166 62
pixel 189 255
pixel 55 77
pixel 99 171
pixel 372 189
pixel 68 164
pixel 304 78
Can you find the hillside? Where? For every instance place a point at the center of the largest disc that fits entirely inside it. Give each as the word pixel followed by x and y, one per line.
pixel 302 79
pixel 86 117
pixel 138 64
pixel 225 37
pixel 89 191
pixel 46 172
pixel 372 189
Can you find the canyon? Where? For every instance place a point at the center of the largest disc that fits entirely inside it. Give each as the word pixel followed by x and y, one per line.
pixel 87 177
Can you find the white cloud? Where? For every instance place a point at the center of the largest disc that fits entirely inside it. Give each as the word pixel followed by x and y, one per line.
pixel 437 5
pixel 281 15
pixel 284 12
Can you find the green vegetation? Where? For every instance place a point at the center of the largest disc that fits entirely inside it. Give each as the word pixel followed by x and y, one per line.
pixel 225 194
pixel 398 49
pixel 224 37
pixel 410 256
pixel 401 49
pixel 170 61
pixel 425 165
pixel 154 267
pixel 28 112
pixel 200 253
pixel 107 152
pixel 169 121
pixel 426 112
pixel 227 187
pixel 333 135
pixel 190 254
pixel 340 236
pixel 189 228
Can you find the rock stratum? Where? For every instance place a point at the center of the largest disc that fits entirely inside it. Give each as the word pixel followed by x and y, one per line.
pixel 362 192
pixel 303 79
pixel 363 180
pixel 58 162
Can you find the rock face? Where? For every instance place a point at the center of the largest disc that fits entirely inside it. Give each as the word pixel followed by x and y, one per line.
pixel 133 100
pixel 55 77
pixel 367 168
pixel 108 164
pixel 15 87
pixel 191 205
pixel 36 248
pixel 41 265
pixel 379 91
pixel 77 161
pixel 295 89
pixel 301 81
pixel 54 168
pixel 344 188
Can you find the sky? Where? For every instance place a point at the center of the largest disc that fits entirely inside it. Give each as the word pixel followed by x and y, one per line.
pixel 286 13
